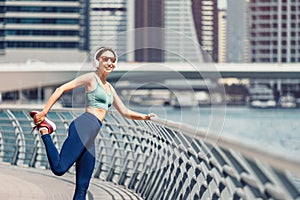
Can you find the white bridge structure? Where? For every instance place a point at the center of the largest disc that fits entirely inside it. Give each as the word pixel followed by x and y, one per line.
pixel 19 76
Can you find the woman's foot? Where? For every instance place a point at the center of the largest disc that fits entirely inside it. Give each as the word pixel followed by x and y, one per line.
pixel 45 127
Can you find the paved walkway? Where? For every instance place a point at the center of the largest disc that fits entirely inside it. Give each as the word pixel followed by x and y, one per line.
pixel 23 183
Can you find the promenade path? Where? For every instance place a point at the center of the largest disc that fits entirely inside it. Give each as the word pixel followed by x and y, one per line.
pixel 23 183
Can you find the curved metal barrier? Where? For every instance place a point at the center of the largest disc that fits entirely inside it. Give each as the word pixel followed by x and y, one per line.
pixel 160 159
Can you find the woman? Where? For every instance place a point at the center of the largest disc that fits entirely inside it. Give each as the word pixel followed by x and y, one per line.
pixel 79 146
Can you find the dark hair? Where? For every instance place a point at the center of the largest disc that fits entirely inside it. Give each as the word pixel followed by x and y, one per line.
pixel 101 50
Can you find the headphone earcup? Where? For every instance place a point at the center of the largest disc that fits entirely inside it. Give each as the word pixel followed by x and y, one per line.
pixel 96 63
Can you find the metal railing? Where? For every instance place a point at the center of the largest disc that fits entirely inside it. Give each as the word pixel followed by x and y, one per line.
pixel 160 159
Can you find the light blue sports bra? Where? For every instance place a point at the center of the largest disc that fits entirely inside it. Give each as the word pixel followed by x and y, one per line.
pixel 99 98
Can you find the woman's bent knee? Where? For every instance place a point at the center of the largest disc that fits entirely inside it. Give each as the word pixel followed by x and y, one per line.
pixel 59 172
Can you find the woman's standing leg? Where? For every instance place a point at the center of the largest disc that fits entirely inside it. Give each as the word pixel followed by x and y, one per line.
pixel 84 169
pixel 78 147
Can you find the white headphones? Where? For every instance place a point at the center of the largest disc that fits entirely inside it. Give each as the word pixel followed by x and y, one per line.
pixel 96 61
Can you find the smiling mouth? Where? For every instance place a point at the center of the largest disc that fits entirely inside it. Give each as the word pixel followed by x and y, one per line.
pixel 109 67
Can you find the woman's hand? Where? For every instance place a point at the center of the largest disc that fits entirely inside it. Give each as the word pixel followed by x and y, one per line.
pixel 39 117
pixel 150 115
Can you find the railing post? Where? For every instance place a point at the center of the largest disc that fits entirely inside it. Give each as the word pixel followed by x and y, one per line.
pixel 1 147
pixel 19 154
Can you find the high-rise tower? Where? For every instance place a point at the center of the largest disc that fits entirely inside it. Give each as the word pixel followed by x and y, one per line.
pixel 165 31
pixel 274 31
pixel 222 36
pixel 205 14
pixel 237 34
pixel 108 25
pixel 149 15
pixel 180 35
pixel 42 30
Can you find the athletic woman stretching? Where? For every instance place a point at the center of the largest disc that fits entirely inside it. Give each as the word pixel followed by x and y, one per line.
pixel 79 146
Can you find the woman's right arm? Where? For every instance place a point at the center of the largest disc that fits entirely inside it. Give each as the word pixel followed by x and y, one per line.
pixel 83 80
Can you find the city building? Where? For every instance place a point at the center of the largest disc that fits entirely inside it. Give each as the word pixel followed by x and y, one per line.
pixel 149 14
pixel 47 31
pixel 222 36
pixel 108 25
pixel 205 14
pixel 246 33
pixel 71 30
pixel 274 31
pixel 181 42
pixel 165 32
pixel 237 45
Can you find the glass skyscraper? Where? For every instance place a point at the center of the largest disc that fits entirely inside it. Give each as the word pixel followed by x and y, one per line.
pixel 237 45
pixel 180 34
pixel 108 25
pixel 149 14
pixel 42 30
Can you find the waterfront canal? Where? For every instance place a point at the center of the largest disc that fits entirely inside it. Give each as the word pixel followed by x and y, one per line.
pixel 270 129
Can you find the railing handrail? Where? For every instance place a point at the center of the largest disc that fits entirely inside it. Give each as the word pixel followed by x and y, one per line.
pixel 278 160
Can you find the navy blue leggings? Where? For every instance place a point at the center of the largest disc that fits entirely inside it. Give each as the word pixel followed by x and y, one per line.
pixel 78 147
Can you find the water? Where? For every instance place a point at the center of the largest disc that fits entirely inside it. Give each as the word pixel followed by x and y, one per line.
pixel 270 129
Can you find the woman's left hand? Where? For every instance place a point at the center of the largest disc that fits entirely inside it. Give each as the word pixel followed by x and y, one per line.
pixel 39 117
pixel 150 115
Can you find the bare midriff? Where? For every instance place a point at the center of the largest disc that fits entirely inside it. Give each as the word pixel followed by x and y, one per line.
pixel 98 112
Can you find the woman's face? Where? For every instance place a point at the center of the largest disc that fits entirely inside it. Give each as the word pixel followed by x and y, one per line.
pixel 107 61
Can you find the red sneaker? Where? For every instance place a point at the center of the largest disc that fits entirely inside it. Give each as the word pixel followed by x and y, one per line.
pixel 50 125
pixel 32 113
